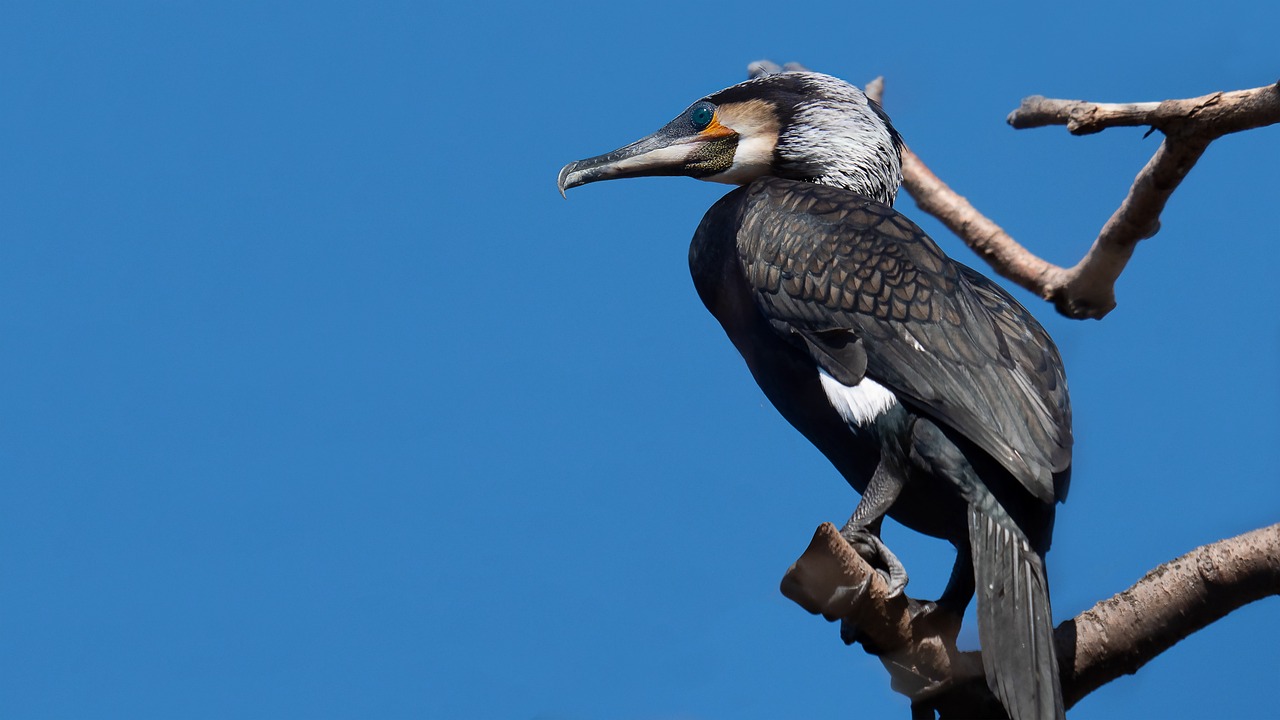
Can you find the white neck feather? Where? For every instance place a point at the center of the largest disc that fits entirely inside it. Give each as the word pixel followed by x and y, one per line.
pixel 838 139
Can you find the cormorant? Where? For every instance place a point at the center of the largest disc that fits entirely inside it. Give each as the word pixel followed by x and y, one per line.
pixel 936 394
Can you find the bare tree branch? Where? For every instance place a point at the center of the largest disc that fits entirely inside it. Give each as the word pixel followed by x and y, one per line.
pixel 1213 115
pixel 1121 634
pixel 918 649
pixel 1115 637
pixel 1087 290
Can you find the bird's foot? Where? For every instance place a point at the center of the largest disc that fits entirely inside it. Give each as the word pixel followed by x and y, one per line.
pixel 851 634
pixel 935 618
pixel 872 549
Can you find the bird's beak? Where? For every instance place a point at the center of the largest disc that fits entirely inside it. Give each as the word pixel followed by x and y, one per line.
pixel 673 150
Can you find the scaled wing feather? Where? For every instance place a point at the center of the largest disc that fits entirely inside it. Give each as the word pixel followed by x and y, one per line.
pixel 866 292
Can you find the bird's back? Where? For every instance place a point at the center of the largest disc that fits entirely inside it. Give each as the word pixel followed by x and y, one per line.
pixel 865 292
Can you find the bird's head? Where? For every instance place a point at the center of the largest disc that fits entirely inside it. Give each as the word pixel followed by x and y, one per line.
pixel 797 125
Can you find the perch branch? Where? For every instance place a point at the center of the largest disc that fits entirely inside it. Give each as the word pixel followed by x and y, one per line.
pixel 1121 634
pixel 1087 290
pixel 1115 637
pixel 918 650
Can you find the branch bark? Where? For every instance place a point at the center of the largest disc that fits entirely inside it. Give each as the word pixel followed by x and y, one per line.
pixel 1087 290
pixel 918 650
pixel 1115 637
pixel 1122 633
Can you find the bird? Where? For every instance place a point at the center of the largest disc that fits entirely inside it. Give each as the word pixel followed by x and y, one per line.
pixel 932 391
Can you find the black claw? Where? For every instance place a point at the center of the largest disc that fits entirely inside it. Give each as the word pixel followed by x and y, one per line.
pixel 872 549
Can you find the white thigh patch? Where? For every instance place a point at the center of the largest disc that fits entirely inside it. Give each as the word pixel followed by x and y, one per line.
pixel 860 404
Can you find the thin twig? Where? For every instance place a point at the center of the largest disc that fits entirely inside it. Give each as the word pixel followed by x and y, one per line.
pixel 1213 115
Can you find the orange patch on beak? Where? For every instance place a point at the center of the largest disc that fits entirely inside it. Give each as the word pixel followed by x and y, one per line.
pixel 715 129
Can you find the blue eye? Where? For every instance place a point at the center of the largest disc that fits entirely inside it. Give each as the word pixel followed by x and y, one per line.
pixel 701 116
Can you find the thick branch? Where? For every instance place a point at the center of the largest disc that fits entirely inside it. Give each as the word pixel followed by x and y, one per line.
pixel 1121 634
pixel 1088 289
pixel 918 650
pixel 1115 637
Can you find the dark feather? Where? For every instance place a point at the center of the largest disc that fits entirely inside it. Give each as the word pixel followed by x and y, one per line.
pixel 844 272
pixel 1015 627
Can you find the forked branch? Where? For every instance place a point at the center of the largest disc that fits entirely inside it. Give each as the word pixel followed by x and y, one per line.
pixel 1087 290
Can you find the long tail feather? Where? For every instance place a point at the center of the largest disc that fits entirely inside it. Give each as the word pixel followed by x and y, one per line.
pixel 1015 625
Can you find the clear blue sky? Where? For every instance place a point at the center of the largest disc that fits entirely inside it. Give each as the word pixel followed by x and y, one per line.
pixel 320 402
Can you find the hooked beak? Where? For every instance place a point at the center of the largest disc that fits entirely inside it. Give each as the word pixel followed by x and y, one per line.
pixel 670 151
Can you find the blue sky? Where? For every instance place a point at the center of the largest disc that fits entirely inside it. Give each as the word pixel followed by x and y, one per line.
pixel 319 401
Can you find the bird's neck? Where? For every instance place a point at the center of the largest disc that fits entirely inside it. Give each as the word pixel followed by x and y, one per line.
pixel 878 183
pixel 849 146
